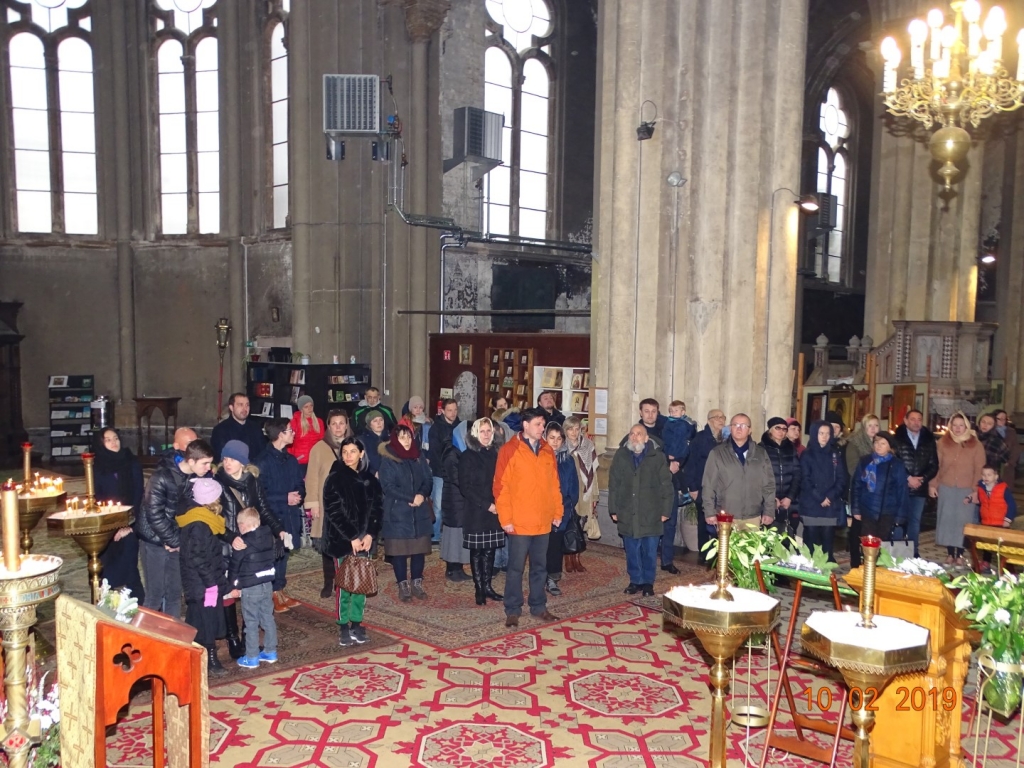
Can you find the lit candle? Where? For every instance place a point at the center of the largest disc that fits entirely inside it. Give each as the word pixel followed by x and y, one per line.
pixel 891 54
pixel 918 36
pixel 995 25
pixel 12 543
pixel 972 14
pixel 60 485
pixel 935 21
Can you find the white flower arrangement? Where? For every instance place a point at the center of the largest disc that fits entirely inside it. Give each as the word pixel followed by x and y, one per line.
pixel 919 567
pixel 119 605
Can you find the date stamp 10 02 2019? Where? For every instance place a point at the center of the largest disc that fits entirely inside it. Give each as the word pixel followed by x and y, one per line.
pixel 914 699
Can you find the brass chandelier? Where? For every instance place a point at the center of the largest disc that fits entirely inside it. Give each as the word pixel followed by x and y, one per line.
pixel 961 82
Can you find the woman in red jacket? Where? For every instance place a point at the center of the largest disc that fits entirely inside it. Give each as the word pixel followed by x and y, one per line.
pixel 308 429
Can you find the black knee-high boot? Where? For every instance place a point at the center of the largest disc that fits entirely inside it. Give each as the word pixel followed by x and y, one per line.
pixel 235 647
pixel 328 590
pixel 488 555
pixel 476 567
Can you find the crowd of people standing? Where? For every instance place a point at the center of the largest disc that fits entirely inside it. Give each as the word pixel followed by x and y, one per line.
pixel 513 491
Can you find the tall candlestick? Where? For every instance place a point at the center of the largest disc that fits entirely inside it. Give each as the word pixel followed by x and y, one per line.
pixel 26 454
pixel 870 547
pixel 90 490
pixel 11 533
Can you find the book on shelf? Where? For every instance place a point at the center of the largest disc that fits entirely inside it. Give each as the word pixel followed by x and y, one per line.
pixel 577 381
pixel 286 411
pixel 586 380
pixel 298 376
pixel 548 379
pixel 268 410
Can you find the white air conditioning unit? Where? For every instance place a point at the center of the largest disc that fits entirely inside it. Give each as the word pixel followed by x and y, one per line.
pixel 351 104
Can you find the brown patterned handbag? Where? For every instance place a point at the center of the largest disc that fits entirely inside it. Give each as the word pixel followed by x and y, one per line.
pixel 357 574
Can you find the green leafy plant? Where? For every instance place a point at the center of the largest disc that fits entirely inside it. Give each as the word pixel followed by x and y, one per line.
pixel 690 512
pixel 747 546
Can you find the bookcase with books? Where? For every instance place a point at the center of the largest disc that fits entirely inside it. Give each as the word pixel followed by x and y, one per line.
pixel 570 387
pixel 70 416
pixel 507 374
pixel 274 388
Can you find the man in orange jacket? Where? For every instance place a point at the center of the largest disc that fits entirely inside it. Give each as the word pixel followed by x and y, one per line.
pixel 529 503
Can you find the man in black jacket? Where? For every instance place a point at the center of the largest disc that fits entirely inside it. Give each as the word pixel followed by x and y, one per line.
pixel 786 468
pixel 441 432
pixel 915 446
pixel 238 426
pixel 693 472
pixel 158 530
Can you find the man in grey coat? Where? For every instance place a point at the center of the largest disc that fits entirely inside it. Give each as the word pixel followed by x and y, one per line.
pixel 738 478
pixel 640 499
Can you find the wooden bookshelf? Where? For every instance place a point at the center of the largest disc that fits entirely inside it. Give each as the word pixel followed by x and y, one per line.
pixel 507 374
pixel 571 387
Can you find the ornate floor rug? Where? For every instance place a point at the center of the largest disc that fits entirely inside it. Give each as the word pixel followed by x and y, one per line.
pixel 607 689
pixel 449 618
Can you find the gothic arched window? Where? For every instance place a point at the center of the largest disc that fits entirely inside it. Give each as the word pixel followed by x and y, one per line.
pixel 52 117
pixel 188 99
pixel 517 81
pixel 277 99
pixel 834 179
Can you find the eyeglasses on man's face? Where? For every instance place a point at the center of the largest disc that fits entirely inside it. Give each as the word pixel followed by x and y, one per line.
pixel 739 426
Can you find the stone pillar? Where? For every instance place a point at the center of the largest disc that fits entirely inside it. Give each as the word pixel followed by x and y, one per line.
pixel 694 285
pixel 1009 339
pixel 922 247
pixel 235 20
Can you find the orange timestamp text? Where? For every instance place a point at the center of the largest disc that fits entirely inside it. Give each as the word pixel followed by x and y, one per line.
pixel 915 699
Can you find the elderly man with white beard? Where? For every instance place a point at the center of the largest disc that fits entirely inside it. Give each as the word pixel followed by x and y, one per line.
pixel 640 499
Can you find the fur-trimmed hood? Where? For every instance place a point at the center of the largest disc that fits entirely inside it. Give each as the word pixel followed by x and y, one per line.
pixel 473 444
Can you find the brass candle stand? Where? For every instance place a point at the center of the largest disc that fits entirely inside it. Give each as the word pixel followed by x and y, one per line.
pixel 32 505
pixel 33 581
pixel 92 527
pixel 722 617
pixel 868 650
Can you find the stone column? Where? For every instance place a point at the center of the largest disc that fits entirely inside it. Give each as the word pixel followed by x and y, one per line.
pixel 1009 339
pixel 694 285
pixel 922 246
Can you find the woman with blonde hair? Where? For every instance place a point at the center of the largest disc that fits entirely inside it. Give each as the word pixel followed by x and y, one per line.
pixel 482 534
pixel 584 452
pixel 961 459
pixel 308 429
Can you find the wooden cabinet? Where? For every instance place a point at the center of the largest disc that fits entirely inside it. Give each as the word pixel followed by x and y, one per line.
pixel 507 374
pixel 273 388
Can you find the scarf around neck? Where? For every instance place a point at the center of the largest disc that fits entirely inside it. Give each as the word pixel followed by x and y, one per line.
pixel 202 515
pixel 871 470
pixel 413 452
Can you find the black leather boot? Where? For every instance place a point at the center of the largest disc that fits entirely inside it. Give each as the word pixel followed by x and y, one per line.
pixel 213 666
pixel 488 558
pixel 476 566
pixel 236 649
pixel 328 590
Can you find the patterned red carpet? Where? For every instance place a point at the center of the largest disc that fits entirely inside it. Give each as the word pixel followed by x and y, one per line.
pixel 605 690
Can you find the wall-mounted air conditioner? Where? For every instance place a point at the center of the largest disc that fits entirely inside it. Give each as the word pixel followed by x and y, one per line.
pixel 351 104
pixel 477 140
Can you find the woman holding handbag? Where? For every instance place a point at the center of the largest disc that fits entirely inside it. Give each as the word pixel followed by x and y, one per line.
pixel 322 457
pixel 582 449
pixel 353 505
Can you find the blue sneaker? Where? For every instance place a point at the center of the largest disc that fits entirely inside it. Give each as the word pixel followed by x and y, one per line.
pixel 249 662
pixel 267 657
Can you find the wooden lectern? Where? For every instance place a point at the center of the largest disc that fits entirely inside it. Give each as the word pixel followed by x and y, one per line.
pixel 913 727
pixel 99 660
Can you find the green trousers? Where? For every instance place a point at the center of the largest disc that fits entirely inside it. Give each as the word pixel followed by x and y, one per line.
pixel 350 607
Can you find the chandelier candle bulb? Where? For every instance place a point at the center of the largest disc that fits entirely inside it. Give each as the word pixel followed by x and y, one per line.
pixel 1020 55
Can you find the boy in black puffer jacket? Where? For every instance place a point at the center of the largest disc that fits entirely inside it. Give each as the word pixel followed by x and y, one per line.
pixel 251 576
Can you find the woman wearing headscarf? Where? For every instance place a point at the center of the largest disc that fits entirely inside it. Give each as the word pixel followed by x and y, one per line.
pixel 823 483
pixel 452 551
pixel 308 429
pixel 481 532
pixel 352 508
pixel 583 450
pixel 414 416
pixel 858 446
pixel 321 458
pixel 961 459
pixel 374 434
pixel 118 477
pixel 879 493
pixel 407 481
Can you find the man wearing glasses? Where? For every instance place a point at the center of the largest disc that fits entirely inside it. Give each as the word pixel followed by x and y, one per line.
pixel 738 479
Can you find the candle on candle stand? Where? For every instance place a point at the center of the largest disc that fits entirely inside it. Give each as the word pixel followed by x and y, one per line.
pixel 11 533
pixel 870 547
pixel 995 25
pixel 26 454
pixel 918 37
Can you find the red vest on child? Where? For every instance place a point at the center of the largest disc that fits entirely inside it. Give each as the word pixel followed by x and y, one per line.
pixel 993 505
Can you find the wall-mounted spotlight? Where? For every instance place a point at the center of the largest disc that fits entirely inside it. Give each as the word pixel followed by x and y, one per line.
pixel 675 179
pixel 808 203
pixel 644 131
pixel 988 258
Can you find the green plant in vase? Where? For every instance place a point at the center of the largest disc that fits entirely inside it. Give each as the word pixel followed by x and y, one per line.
pixel 995 607
pixel 747 546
